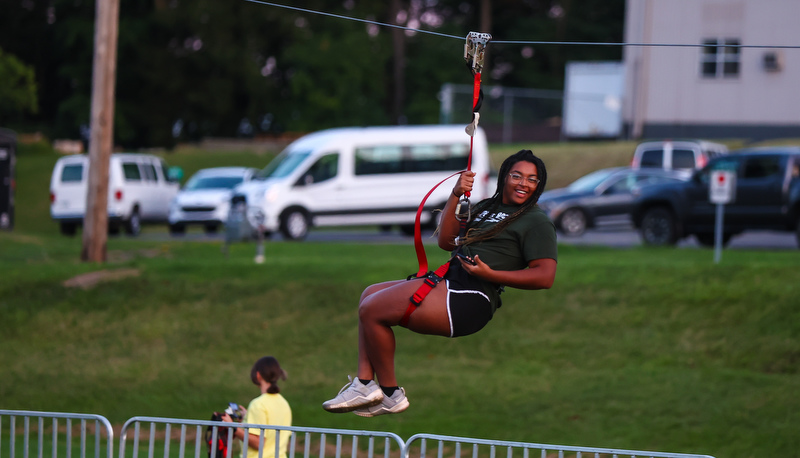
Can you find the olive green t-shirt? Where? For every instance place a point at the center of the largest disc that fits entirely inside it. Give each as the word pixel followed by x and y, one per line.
pixel 531 236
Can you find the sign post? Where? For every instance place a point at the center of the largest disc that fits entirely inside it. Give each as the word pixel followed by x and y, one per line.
pixel 721 191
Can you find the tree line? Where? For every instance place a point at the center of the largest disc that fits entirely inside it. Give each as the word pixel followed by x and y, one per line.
pixel 193 69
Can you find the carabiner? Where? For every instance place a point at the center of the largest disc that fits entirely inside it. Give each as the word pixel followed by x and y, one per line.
pixel 462 216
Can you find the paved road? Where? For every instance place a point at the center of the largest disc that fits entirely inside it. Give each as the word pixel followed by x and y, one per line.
pixel 765 240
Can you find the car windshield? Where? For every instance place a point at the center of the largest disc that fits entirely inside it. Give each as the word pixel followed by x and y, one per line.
pixel 211 182
pixel 282 165
pixel 590 181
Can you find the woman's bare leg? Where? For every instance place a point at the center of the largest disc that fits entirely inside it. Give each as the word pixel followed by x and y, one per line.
pixel 383 307
pixel 365 369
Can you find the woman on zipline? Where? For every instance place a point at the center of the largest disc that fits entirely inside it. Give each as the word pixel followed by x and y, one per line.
pixel 509 241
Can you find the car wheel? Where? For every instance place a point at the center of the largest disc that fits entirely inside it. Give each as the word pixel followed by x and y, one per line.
pixel 177 229
pixel 658 227
pixel 68 229
pixel 294 224
pixel 573 222
pixel 133 226
pixel 707 239
pixel 113 228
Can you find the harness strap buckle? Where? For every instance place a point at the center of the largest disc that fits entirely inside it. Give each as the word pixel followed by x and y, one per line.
pixel 432 280
pixel 474 50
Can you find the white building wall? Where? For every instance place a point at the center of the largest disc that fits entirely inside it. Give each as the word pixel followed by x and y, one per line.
pixel 665 85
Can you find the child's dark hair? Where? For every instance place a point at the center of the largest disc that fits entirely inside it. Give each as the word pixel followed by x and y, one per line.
pixel 488 206
pixel 270 371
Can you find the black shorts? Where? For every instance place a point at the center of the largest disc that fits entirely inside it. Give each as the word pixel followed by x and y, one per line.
pixel 468 306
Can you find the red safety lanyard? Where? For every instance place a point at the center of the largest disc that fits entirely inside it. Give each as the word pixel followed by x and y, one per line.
pixel 473 54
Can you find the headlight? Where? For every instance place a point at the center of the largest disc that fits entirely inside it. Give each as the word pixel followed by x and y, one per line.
pixel 272 195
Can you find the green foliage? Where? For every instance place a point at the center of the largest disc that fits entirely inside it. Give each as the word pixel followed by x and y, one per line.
pixel 18 91
pixel 205 67
pixel 338 78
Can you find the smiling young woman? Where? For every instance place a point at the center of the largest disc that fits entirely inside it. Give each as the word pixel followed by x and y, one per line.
pixel 509 241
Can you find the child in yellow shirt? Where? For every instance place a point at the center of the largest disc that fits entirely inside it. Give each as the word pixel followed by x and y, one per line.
pixel 268 409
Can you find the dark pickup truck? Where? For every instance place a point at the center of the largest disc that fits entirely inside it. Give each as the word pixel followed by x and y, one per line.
pixel 767 197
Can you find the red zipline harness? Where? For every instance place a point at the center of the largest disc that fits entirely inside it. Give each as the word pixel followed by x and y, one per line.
pixel 474 50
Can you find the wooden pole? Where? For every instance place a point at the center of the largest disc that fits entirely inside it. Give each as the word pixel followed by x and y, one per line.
pixel 95 223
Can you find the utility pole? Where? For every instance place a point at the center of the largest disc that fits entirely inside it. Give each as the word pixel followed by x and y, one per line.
pixel 101 140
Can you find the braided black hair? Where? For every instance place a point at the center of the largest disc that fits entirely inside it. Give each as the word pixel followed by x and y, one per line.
pixel 488 206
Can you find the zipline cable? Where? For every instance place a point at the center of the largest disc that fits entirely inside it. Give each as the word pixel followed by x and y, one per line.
pixel 528 42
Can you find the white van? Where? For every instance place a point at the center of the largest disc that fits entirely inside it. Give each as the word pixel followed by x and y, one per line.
pixel 681 155
pixel 362 176
pixel 139 191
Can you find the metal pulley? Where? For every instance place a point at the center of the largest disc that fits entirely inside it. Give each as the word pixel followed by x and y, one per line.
pixel 474 50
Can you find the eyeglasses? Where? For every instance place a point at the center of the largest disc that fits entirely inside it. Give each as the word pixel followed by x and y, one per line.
pixel 516 178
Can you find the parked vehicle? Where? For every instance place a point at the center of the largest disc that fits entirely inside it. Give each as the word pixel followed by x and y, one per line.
pixel 140 188
pixel 767 197
pixel 682 155
pixel 361 176
pixel 205 198
pixel 600 199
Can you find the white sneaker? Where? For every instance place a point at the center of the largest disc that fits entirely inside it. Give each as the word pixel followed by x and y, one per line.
pixel 395 403
pixel 355 395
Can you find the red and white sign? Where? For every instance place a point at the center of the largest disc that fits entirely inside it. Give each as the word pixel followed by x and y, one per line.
pixel 722 188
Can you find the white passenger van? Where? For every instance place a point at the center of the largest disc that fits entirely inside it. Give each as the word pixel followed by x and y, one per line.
pixel 139 191
pixel 681 155
pixel 362 176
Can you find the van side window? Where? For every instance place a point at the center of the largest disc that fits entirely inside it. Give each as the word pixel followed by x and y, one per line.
pixel 131 171
pixel 379 160
pixel 437 158
pixel 324 169
pixel 150 172
pixel 682 159
pixel 407 159
pixel 72 173
pixel 652 158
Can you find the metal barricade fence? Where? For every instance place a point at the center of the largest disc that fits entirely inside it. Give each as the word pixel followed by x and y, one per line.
pixel 163 435
pixel 169 437
pixel 458 447
pixel 66 440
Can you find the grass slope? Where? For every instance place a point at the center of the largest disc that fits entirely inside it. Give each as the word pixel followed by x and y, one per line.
pixel 640 348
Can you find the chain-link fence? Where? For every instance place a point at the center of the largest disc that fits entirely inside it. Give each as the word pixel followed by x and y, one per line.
pixel 508 115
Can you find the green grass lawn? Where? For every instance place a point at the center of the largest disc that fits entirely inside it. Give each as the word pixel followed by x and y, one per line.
pixel 632 348
pixel 638 348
